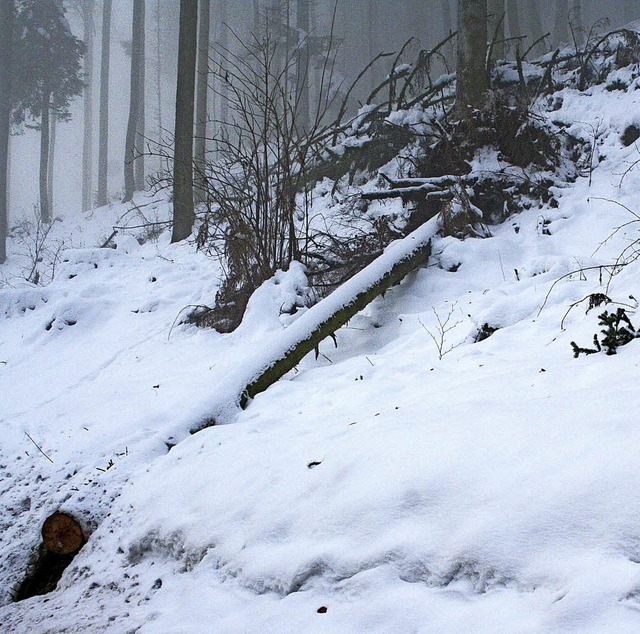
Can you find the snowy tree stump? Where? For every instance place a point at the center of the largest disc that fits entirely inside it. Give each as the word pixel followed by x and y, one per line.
pixel 62 534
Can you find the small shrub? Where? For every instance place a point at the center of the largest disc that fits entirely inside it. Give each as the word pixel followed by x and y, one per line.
pixel 617 331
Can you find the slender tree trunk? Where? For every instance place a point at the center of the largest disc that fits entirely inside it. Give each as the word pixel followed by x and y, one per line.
pixel 134 100
pixel 103 148
pixel 141 136
pixel 183 209
pixel 513 19
pixel 53 127
pixel 535 28
pixel 577 23
pixel 6 29
pixel 161 164
pixel 201 103
pixel 223 8
pixel 495 26
pixel 87 147
pixel 561 25
pixel 472 81
pixel 302 64
pixel 45 129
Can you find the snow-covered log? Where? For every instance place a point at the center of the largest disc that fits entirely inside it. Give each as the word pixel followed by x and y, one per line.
pixel 324 319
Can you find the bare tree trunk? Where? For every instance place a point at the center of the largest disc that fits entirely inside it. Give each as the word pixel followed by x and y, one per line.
pixel 45 128
pixel 513 19
pixel 577 24
pixel 302 65
pixel 535 28
pixel 141 136
pixel 53 126
pixel 495 28
pixel 134 100
pixel 87 146
pixel 103 136
pixel 561 25
pixel 6 30
pixel 183 209
pixel 472 80
pixel 160 132
pixel 201 102
pixel 223 8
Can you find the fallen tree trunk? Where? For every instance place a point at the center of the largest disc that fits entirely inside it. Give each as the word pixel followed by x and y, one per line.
pixel 324 319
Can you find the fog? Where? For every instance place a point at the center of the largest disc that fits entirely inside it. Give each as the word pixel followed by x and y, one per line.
pixel 362 29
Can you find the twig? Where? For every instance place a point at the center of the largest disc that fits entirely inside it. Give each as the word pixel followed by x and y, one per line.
pixel 39 448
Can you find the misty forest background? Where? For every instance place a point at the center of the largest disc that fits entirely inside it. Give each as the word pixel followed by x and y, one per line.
pixel 359 30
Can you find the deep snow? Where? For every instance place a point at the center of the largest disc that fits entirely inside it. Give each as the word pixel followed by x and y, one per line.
pixel 494 490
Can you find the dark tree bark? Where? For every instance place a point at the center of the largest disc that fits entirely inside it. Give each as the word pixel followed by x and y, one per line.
pixel 135 99
pixel 87 147
pixel 45 130
pixel 201 103
pixel 472 80
pixel 6 29
pixel 183 210
pixel 103 149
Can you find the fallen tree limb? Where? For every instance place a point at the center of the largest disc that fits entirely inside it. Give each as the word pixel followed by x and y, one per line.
pixel 423 192
pixel 324 319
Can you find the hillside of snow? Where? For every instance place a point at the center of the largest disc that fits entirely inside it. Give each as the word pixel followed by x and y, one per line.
pixel 410 479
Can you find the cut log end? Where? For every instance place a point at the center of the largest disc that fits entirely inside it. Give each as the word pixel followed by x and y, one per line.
pixel 62 534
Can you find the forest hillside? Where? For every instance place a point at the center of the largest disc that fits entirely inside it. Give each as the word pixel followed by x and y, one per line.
pixel 461 457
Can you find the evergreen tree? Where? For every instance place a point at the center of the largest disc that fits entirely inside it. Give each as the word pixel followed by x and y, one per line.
pixel 48 76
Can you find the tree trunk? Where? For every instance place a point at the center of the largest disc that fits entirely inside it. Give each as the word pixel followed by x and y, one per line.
pixel 134 100
pixel 45 129
pixel 160 132
pixel 183 209
pixel 326 317
pixel 472 80
pixel 535 28
pixel 577 23
pixel 495 27
pixel 513 19
pixel 223 87
pixel 53 127
pixel 302 66
pixel 6 30
pixel 141 136
pixel 561 25
pixel 87 146
pixel 201 105
pixel 103 148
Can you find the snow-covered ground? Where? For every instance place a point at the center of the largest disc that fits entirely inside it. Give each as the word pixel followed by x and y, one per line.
pixel 379 488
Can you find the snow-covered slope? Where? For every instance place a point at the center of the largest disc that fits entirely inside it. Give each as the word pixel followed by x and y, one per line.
pixel 380 488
